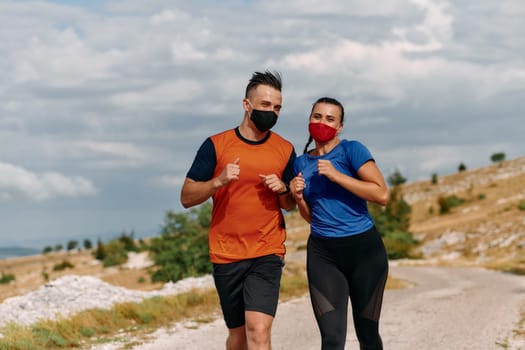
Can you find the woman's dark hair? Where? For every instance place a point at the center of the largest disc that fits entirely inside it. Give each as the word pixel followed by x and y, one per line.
pixel 331 101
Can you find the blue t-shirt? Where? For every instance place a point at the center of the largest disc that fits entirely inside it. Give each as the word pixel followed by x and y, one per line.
pixel 335 211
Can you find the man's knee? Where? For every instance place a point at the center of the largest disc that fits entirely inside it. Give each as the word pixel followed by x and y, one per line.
pixel 236 339
pixel 258 327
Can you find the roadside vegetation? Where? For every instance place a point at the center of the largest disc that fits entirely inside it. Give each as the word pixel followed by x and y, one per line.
pixel 393 221
pixel 130 322
pixel 6 278
pixel 180 251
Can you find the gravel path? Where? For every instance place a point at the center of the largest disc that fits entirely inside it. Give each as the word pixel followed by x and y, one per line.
pixel 446 308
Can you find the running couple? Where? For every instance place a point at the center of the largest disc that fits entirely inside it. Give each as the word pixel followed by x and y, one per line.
pixel 252 173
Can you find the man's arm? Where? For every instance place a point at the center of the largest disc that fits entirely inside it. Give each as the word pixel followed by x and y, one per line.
pixel 286 200
pixel 196 192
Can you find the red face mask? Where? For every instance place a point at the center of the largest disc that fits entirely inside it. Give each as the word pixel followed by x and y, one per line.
pixel 321 132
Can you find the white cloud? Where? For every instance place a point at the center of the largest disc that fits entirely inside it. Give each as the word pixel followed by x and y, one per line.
pixel 63 59
pixel 16 181
pixel 118 149
pixel 162 96
pixel 126 91
pixel 170 15
pixel 170 181
pixel 185 52
pixel 334 7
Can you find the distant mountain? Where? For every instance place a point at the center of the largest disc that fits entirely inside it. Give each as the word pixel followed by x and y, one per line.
pixel 11 252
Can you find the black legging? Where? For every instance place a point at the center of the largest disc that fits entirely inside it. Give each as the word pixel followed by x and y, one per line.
pixel 355 266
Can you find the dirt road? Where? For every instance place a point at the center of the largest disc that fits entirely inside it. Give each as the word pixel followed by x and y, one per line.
pixel 446 308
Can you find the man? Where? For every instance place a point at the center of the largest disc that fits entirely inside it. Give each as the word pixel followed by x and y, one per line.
pixel 246 170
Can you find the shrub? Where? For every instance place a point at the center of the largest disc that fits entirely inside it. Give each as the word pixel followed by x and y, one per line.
pixel 396 178
pixel 447 203
pixel 87 244
pixel 399 244
pixel 65 264
pixel 521 206
pixel 128 241
pixel 393 222
pixel 434 179
pixel 111 254
pixel 182 248
pixel 100 252
pixel 115 254
pixel 47 249
pixel 497 157
pixel 6 278
pixel 71 245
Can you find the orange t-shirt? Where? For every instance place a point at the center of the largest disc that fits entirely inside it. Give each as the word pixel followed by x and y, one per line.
pixel 247 221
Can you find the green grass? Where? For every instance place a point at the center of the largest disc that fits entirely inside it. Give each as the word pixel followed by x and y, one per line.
pixel 6 278
pixel 138 319
pixel 100 325
pixel 130 322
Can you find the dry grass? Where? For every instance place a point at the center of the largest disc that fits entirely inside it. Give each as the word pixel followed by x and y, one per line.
pixel 30 272
pixel 136 319
pixel 491 223
pixel 97 325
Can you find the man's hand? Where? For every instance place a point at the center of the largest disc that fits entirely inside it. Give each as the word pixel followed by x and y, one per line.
pixel 230 172
pixel 274 183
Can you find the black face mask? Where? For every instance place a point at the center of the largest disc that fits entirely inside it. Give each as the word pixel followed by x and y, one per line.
pixel 263 120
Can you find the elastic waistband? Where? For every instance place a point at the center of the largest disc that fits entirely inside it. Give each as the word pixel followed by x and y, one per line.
pixel 340 240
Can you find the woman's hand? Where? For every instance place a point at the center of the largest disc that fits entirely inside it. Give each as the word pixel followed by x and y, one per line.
pixel 326 168
pixel 297 185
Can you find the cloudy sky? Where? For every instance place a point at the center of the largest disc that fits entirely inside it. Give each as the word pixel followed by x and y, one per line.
pixel 103 104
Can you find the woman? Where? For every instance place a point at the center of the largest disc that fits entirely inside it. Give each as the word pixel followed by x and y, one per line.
pixel 345 253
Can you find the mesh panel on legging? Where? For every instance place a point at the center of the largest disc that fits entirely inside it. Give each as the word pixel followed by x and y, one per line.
pixel 354 266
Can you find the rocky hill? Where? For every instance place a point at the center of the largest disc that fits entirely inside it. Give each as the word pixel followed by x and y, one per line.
pixel 487 228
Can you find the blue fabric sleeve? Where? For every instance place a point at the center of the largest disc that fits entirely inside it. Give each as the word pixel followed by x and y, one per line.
pixel 204 163
pixel 357 155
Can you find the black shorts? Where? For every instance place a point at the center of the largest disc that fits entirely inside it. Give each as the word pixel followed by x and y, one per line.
pixel 248 285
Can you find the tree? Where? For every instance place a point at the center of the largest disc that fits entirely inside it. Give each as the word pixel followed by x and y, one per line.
pixel 449 202
pixel 128 240
pixel 87 244
pixel 497 157
pixel 396 178
pixel 182 249
pixel 116 253
pixel 462 167
pixel 434 179
pixel 100 252
pixel 393 222
pixel 71 245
